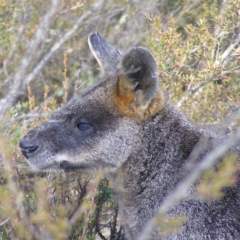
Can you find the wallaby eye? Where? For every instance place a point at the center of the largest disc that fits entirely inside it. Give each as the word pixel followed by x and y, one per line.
pixel 83 126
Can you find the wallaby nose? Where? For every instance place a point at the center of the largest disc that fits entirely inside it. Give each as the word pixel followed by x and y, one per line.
pixel 28 148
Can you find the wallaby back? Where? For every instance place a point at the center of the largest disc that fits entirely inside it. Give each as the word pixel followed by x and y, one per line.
pixel 124 125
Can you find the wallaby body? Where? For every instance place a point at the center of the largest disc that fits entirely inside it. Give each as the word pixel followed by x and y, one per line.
pixel 124 125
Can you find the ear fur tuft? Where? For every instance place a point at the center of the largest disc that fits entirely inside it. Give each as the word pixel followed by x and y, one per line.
pixel 137 88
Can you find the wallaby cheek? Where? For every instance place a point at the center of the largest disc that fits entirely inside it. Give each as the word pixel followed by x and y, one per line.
pixel 119 144
pixel 109 150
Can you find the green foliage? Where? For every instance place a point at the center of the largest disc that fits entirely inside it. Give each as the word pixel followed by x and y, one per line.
pixel 169 225
pixel 196 45
pixel 214 181
pixel 197 61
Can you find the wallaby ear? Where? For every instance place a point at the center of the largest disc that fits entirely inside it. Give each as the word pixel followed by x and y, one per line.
pixel 107 55
pixel 137 89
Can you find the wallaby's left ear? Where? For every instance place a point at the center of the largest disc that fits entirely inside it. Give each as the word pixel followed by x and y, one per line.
pixel 107 55
pixel 137 89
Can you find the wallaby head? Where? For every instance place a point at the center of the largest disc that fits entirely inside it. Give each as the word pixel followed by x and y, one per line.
pixel 100 127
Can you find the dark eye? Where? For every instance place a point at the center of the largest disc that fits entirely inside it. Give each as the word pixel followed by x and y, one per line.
pixel 83 126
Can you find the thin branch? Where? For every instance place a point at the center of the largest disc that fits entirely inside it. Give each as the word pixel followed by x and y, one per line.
pixel 231 117
pixel 194 90
pixel 181 190
pixel 100 234
pixel 230 48
pixel 4 222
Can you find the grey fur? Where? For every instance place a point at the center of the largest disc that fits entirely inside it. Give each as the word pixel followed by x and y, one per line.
pixel 146 157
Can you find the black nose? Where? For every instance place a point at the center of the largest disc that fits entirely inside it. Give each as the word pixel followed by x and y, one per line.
pixel 28 148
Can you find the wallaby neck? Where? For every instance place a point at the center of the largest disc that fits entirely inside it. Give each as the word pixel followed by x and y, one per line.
pixel 155 168
pixel 167 139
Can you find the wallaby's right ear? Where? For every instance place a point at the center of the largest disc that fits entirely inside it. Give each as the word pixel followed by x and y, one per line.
pixel 107 55
pixel 137 92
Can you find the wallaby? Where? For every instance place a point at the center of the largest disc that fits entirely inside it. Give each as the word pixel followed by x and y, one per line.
pixel 126 126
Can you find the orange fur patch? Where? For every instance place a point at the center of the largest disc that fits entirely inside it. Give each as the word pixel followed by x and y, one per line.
pixel 129 101
pixel 155 105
